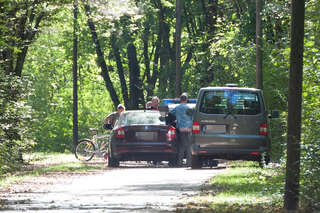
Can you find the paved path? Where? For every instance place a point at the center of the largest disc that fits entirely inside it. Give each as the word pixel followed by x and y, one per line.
pixel 125 189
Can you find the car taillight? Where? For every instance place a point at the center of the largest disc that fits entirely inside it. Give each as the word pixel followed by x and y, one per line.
pixel 263 129
pixel 196 127
pixel 120 133
pixel 171 133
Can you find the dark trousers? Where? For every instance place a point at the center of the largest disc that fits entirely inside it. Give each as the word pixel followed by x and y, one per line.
pixel 184 147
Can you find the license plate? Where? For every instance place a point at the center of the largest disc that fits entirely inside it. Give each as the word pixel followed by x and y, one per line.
pixel 146 135
pixel 218 129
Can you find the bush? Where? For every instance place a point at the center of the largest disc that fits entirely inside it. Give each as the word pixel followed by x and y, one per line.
pixel 310 173
pixel 14 122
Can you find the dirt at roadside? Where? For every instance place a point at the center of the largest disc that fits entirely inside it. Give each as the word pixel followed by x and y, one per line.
pixel 43 182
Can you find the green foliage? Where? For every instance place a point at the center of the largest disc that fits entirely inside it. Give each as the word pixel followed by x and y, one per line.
pixel 20 21
pixel 50 67
pixel 230 58
pixel 15 119
pixel 310 155
pixel 310 183
pixel 276 21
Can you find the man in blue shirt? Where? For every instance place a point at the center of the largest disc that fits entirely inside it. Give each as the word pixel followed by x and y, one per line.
pixel 183 114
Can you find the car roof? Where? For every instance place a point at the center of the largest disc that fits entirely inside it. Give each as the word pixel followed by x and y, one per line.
pixel 140 111
pixel 230 88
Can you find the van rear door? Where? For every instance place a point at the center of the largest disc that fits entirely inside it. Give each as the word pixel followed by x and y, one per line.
pixel 230 118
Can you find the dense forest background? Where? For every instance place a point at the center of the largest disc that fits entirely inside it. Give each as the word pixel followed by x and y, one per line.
pixel 126 54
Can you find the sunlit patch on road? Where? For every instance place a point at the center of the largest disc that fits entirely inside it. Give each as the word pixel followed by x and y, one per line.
pixel 133 187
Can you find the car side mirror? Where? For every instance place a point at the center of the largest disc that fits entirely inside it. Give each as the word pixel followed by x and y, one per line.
pixel 274 114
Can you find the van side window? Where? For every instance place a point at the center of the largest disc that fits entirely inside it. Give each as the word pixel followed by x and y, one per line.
pixel 222 101
pixel 213 102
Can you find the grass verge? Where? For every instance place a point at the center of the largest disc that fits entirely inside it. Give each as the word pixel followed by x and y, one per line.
pixel 37 164
pixel 242 188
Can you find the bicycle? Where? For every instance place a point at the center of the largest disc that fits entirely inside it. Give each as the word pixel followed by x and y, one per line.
pixel 98 145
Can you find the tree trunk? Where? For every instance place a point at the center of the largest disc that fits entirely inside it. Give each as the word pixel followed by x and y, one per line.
pixel 178 48
pixel 101 61
pixel 165 68
pixel 210 11
pixel 117 56
pixel 259 73
pixel 74 71
pixel 291 197
pixel 22 25
pixel 147 73
pixel 134 74
pixel 155 68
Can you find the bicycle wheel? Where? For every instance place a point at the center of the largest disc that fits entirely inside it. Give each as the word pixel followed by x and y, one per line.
pixel 85 150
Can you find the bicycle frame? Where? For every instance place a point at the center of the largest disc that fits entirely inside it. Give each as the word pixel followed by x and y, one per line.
pixel 98 145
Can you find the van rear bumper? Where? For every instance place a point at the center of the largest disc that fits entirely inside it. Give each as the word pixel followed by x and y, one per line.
pixel 205 151
pixel 230 142
pixel 231 151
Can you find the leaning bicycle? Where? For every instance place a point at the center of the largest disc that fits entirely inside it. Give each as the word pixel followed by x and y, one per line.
pixel 98 145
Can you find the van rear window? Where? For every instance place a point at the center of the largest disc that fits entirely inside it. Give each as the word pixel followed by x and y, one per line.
pixel 230 101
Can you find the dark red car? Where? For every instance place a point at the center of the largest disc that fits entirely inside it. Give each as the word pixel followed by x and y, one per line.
pixel 141 135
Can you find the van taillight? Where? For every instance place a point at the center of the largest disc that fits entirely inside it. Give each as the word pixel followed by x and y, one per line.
pixel 120 133
pixel 171 133
pixel 196 127
pixel 263 129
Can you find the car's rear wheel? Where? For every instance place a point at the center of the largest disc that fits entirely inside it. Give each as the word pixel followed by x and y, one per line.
pixel 85 150
pixel 195 162
pixel 112 162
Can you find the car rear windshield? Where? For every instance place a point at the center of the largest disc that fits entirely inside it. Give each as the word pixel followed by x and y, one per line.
pixel 140 118
pixel 230 102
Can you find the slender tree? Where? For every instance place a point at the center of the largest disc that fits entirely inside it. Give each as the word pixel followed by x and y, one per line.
pixel 178 48
pixel 291 197
pixel 134 73
pixel 101 61
pixel 165 53
pixel 117 56
pixel 259 74
pixel 74 71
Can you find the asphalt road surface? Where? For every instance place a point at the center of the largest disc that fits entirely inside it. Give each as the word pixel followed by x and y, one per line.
pixel 130 188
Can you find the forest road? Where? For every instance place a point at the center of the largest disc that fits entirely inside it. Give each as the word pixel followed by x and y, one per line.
pixel 130 188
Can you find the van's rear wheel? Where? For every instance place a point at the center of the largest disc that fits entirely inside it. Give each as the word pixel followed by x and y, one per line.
pixel 195 162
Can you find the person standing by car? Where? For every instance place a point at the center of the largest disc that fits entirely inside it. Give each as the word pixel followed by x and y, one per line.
pixel 113 117
pixel 148 104
pixel 154 103
pixel 183 114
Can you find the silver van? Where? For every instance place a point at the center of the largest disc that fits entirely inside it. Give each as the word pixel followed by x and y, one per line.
pixel 230 123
